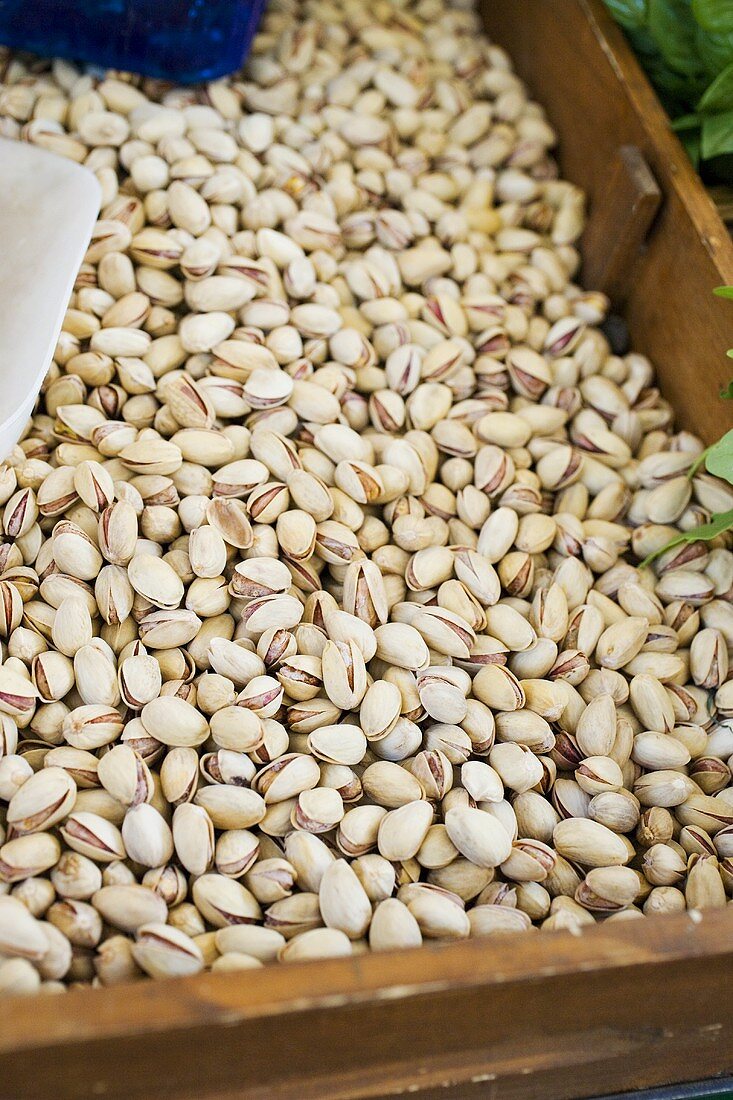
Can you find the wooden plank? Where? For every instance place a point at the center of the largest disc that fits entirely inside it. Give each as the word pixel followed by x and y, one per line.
pixel 578 65
pixel 617 229
pixel 537 1016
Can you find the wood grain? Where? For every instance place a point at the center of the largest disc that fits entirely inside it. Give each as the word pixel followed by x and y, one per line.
pixel 580 68
pixel 537 1016
pixel 540 1016
pixel 615 237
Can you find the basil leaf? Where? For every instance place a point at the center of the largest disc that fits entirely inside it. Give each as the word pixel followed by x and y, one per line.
pixel 714 50
pixel 719 460
pixel 685 122
pixel 727 391
pixel 671 25
pixel 714 15
pixel 682 92
pixel 717 135
pixel 704 533
pixel 630 14
pixel 718 96
pixel 724 291
pixel 643 43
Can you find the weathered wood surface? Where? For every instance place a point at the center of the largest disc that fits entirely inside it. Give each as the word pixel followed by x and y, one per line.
pixel 537 1016
pixel 616 234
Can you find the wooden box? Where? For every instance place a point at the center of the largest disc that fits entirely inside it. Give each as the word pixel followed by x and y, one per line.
pixel 534 1016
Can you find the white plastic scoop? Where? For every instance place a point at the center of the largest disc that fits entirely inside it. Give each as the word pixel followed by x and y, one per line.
pixel 48 206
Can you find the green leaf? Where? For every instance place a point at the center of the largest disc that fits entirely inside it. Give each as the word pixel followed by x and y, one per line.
pixel 631 14
pixel 714 15
pixel 724 291
pixel 719 523
pixel 718 96
pixel 678 93
pixel 642 42
pixel 719 459
pixel 727 391
pixel 685 122
pixel 671 25
pixel 717 135
pixel 714 50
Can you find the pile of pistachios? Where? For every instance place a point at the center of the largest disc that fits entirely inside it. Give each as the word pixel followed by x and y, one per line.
pixel 322 623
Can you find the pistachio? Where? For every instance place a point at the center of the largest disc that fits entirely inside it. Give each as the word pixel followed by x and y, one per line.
pixel 129 906
pixel 343 901
pixel 477 836
pixel 165 952
pixel 589 843
pixel 393 926
pixel 41 802
pixel 21 935
pixel 320 628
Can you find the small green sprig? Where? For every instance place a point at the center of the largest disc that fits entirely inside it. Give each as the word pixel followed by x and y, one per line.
pixel 720 522
pixel 717 460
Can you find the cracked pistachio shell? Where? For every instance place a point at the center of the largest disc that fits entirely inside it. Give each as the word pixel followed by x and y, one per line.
pixel 43 801
pixel 166 952
pixel 223 901
pixel 93 836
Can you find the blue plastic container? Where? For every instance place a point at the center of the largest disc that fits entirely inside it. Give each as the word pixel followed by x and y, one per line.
pixel 180 40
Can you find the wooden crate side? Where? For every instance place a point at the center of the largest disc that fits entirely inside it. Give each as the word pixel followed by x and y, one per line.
pixel 578 65
pixel 536 1016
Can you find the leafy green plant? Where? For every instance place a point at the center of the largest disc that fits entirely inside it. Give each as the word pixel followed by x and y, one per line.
pixel 686 48
pixel 717 460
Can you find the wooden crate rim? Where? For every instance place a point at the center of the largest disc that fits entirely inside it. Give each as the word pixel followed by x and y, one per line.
pixel 210 999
